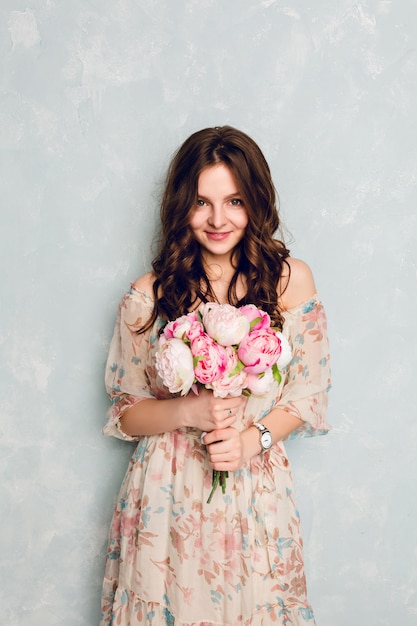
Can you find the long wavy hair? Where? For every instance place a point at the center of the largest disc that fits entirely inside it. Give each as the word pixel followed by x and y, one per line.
pixel 180 278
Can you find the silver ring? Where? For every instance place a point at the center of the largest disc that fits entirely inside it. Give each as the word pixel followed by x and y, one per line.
pixel 230 412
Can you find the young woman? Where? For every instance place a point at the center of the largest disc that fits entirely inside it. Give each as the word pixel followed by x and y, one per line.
pixel 173 558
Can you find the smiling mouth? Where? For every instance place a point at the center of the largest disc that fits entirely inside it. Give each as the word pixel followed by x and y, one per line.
pixel 217 236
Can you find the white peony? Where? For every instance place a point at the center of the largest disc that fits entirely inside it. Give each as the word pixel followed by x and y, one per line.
pixel 174 363
pixel 224 323
pixel 259 385
pixel 286 352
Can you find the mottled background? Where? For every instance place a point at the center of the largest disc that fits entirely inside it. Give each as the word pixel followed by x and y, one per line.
pixel 95 96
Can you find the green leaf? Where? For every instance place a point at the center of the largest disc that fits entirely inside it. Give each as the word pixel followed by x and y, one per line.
pixel 255 321
pixel 239 367
pixel 276 373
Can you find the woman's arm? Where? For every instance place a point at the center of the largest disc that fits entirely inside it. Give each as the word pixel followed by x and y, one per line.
pixel 152 417
pixel 228 450
pixel 135 411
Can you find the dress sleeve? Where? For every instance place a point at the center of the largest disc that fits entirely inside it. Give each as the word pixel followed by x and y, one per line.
pixel 126 379
pixel 307 377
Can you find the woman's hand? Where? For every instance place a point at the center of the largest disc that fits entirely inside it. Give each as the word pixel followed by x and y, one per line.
pixel 209 413
pixel 224 448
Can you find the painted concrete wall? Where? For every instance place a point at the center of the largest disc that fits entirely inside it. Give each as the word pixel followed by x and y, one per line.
pixel 95 96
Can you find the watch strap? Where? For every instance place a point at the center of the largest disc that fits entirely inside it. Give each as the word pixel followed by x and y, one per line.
pixel 262 430
pixel 260 427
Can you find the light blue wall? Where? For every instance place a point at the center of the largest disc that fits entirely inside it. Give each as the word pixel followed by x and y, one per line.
pixel 95 96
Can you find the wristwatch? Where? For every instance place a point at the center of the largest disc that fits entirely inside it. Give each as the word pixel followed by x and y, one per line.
pixel 265 438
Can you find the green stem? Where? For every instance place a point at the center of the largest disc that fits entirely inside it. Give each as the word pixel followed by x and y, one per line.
pixel 219 478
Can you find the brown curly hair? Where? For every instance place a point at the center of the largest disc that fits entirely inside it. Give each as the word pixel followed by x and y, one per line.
pixel 181 280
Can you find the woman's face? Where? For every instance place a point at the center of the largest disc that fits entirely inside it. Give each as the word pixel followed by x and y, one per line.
pixel 219 218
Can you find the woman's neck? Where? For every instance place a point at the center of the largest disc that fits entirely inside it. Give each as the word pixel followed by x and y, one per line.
pixel 220 276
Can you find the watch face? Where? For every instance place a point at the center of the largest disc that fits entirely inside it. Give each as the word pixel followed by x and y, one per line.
pixel 266 440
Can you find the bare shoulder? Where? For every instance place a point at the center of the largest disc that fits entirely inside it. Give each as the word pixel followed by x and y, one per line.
pixel 298 284
pixel 145 283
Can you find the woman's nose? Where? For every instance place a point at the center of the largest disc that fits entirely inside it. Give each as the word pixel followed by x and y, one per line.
pixel 217 217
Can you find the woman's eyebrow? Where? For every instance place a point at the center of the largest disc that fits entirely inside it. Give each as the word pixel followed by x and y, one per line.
pixel 228 197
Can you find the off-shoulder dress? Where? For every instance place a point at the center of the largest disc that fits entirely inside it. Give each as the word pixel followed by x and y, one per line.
pixel 172 558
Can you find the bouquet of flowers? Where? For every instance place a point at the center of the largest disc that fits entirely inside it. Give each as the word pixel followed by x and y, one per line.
pixel 230 350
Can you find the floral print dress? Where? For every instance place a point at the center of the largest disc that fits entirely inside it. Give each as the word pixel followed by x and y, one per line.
pixel 172 558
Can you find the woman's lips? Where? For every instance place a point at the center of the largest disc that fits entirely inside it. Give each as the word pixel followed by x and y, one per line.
pixel 217 236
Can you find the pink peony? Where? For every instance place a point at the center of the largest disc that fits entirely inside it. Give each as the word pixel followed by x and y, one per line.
pixel 260 350
pixel 224 323
pixel 210 359
pixel 174 363
pixel 187 326
pixel 228 385
pixel 253 313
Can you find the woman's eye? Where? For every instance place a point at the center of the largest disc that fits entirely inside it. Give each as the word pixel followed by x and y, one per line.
pixel 200 202
pixel 236 202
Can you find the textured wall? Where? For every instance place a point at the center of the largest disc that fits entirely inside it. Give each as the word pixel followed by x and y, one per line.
pixel 95 97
